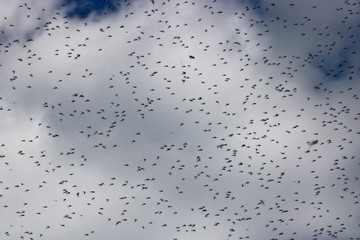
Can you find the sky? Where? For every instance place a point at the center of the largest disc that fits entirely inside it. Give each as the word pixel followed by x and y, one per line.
pixel 179 120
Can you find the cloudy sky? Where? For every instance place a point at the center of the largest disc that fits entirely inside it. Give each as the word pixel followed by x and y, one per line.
pixel 168 119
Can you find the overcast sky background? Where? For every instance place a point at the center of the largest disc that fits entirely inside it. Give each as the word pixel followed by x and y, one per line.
pixel 179 119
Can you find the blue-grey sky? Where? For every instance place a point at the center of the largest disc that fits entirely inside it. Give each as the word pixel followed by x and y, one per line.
pixel 179 119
